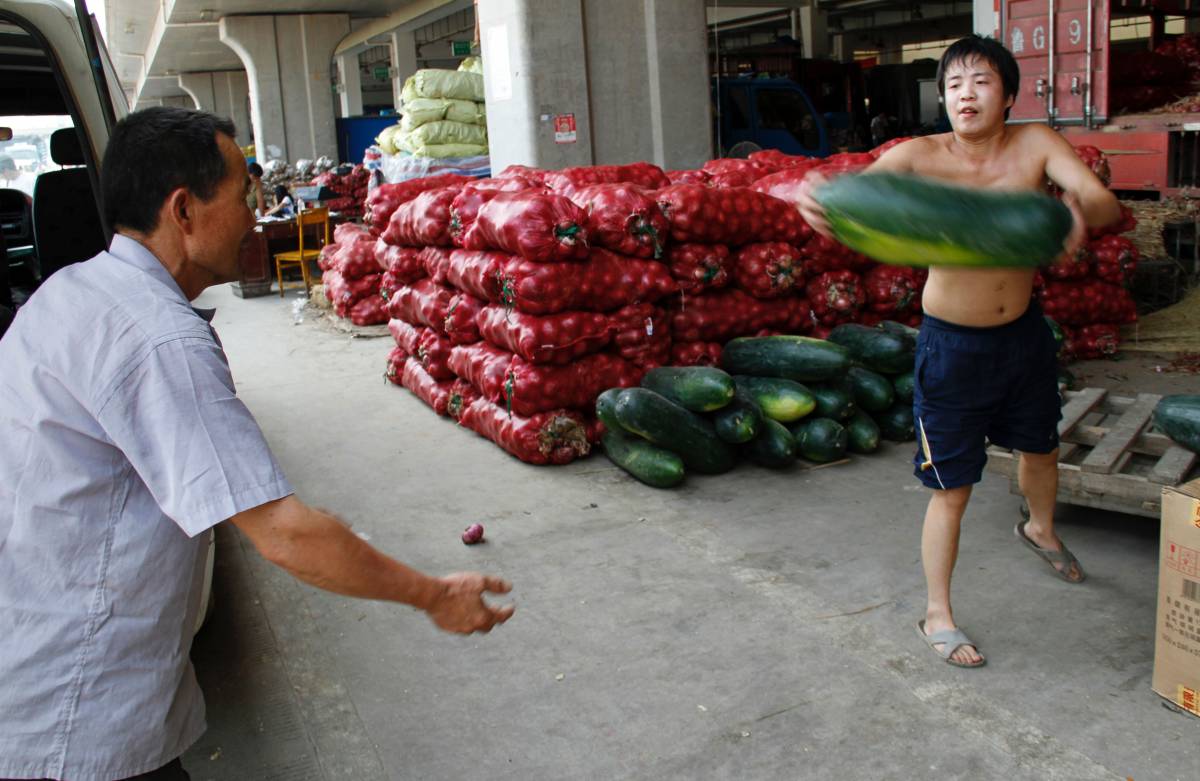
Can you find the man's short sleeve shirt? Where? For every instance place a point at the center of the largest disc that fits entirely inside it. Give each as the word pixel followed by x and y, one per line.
pixel 123 441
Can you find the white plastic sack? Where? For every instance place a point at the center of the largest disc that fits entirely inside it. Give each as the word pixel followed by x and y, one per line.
pixel 402 167
pixel 387 139
pixel 460 85
pixel 447 132
pixel 421 111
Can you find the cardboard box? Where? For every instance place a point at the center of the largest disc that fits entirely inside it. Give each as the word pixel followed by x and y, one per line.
pixel 1177 634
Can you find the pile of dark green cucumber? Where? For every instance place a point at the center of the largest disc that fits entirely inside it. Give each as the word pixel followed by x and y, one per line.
pixel 774 399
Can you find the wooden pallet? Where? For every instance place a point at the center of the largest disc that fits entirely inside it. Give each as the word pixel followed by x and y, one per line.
pixel 1108 458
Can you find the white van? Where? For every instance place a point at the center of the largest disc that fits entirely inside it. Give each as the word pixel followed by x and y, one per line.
pixel 55 74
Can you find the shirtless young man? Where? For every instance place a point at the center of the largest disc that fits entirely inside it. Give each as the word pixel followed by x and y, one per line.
pixel 986 364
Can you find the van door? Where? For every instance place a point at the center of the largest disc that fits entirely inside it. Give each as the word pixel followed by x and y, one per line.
pixel 103 74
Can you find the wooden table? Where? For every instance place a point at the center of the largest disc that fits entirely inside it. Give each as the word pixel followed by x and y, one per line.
pixel 256 257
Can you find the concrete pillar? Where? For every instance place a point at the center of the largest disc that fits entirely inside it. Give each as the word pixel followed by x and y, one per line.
pixel 223 93
pixel 287 61
pixel 349 86
pixel 232 95
pixel 534 71
pixel 631 73
pixel 680 110
pixel 200 87
pixel 814 32
pixel 404 62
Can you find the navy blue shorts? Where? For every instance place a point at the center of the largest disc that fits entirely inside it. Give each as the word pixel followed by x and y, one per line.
pixel 978 385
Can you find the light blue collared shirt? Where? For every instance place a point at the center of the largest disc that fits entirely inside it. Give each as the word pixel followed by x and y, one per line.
pixel 121 440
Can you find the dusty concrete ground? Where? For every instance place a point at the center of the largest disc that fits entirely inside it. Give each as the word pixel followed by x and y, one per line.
pixel 753 625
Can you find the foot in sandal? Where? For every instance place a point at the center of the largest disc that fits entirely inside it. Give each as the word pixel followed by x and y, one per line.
pixel 1050 549
pixel 949 642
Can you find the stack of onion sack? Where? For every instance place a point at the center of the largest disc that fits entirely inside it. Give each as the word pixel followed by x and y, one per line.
pixel 733 254
pixel 351 276
pixel 351 190
pixel 1088 294
pixel 521 322
pixel 774 399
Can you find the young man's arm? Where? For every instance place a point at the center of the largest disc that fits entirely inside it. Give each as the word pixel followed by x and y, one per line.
pixel 1097 204
pixel 898 159
pixel 319 549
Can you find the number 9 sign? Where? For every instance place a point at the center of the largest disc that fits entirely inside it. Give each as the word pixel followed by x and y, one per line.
pixel 1075 32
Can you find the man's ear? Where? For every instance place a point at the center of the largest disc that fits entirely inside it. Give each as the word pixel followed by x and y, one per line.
pixel 179 209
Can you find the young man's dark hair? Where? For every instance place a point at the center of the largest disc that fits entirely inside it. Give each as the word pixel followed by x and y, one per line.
pixel 255 170
pixel 990 51
pixel 152 153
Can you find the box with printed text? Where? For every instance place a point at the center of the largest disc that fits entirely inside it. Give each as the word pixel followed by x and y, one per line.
pixel 1177 632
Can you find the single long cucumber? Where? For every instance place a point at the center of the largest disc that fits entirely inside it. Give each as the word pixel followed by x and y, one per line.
pixel 653 465
pixel 884 351
pixel 862 434
pixel 782 400
pixel 914 221
pixel 891 326
pixel 896 425
pixel 798 358
pixel 903 384
pixel 833 403
pixel 821 440
pixel 659 420
pixel 871 390
pixel 1178 417
pixel 739 421
pixel 698 388
pixel 773 447
pixel 606 404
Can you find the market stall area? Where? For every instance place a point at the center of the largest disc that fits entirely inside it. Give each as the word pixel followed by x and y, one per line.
pixel 742 625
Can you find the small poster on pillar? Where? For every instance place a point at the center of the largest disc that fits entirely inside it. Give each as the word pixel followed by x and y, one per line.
pixel 564 128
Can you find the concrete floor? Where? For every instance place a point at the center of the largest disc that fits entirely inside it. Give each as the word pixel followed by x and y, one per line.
pixel 754 625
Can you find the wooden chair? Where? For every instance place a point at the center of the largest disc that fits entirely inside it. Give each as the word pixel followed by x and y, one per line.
pixel 301 257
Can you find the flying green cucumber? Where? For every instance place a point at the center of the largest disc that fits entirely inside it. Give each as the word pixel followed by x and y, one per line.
pixel 909 220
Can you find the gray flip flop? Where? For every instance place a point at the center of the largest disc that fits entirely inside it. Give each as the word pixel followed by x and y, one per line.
pixel 1052 557
pixel 950 641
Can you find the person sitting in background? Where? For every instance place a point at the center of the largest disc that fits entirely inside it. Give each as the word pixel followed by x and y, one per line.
pixel 256 200
pixel 284 206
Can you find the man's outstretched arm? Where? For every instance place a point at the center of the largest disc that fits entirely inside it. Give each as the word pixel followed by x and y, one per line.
pixel 319 549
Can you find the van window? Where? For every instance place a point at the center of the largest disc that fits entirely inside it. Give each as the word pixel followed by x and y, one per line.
pixel 785 109
pixel 28 153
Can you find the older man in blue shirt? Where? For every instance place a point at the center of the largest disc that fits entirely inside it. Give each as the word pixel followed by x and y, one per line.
pixel 123 441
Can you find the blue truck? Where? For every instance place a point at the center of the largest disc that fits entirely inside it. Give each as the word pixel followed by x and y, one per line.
pixel 753 113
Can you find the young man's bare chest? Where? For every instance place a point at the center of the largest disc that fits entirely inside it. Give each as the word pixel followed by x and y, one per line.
pixel 1011 165
pixel 980 297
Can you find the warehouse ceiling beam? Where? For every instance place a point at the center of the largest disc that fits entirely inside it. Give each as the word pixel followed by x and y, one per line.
pixel 408 18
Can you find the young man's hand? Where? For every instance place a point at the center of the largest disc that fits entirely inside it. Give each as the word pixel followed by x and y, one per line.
pixel 460 607
pixel 1079 229
pixel 812 211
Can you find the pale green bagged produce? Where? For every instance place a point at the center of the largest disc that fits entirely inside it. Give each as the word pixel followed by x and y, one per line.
pixel 472 65
pixel 387 139
pixel 461 85
pixel 421 111
pixel 446 132
pixel 467 112
pixel 409 93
